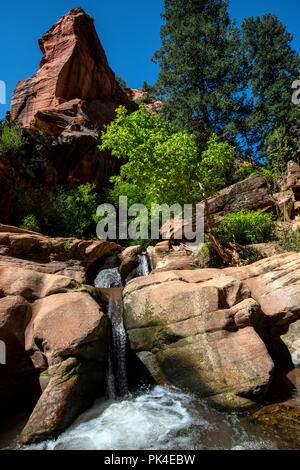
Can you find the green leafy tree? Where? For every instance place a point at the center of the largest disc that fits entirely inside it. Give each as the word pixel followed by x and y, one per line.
pixel 200 69
pixel 77 208
pixel 163 165
pixel 272 66
pixel 159 158
pixel 69 211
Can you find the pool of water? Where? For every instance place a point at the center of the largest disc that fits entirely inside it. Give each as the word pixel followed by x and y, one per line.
pixel 163 418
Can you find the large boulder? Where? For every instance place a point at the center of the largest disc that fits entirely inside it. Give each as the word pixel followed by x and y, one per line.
pixel 195 329
pixel 129 260
pixel 69 324
pixel 252 194
pixel 71 390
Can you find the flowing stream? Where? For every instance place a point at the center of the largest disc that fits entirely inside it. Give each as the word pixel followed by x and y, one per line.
pixel 162 418
pixel 157 418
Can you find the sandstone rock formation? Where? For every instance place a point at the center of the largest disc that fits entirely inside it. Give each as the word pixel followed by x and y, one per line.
pixel 275 284
pixel 293 179
pixel 67 256
pixel 139 95
pixel 129 260
pixel 219 338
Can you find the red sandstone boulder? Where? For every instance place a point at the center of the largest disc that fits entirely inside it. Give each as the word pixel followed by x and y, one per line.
pixel 67 256
pixel 129 260
pixel 72 388
pixel 67 324
pixel 195 330
pixel 275 284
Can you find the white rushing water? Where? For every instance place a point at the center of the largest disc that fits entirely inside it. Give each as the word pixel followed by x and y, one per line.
pixel 158 419
pixel 107 278
pixel 117 383
pixel 143 267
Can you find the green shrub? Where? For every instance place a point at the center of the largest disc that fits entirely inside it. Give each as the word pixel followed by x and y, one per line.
pixel 10 139
pixel 246 170
pixel 146 99
pixel 30 223
pixel 249 255
pixel 290 240
pixel 246 227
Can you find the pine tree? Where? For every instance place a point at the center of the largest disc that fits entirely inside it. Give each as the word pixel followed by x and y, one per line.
pixel 272 66
pixel 201 75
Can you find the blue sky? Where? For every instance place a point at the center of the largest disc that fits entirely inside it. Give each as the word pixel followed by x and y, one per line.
pixel 129 32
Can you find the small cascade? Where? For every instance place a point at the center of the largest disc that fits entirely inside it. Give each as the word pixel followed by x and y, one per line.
pixel 117 383
pixel 108 278
pixel 143 267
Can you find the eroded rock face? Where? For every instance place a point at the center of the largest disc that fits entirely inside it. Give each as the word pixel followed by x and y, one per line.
pixel 49 320
pixel 293 179
pixel 195 329
pixel 70 257
pixel 275 284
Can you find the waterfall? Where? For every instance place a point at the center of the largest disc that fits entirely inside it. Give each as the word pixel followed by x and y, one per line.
pixel 117 372
pixel 143 268
pixel 117 384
